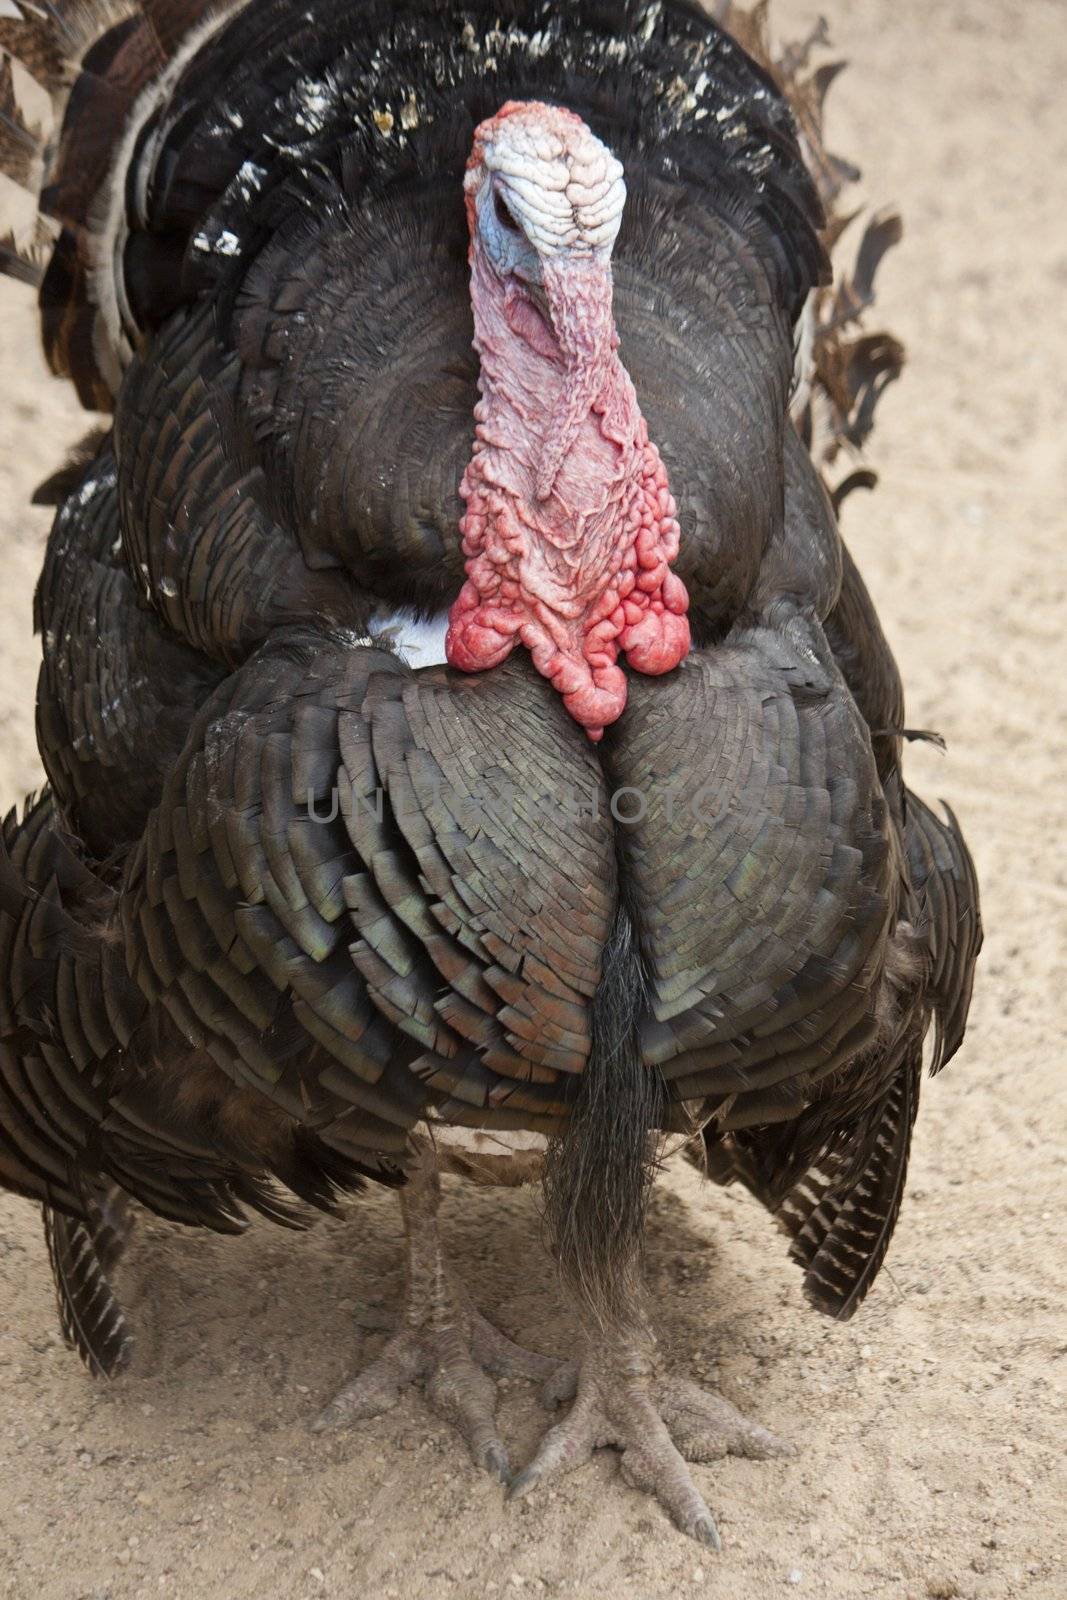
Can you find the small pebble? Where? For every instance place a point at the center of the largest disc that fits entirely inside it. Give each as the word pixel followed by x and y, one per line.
pixel 796 1576
pixel 318 1574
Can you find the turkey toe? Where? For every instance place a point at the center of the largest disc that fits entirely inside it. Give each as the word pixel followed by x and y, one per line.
pixel 658 1424
pixel 378 1386
pixel 705 1427
pixel 453 1355
pixel 505 1359
pixel 442 1342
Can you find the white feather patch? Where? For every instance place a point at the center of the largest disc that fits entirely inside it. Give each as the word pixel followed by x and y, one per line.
pixel 420 644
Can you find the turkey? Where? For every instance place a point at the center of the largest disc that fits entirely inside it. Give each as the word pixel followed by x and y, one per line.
pixel 470 746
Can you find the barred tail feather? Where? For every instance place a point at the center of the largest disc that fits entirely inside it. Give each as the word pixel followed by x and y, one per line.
pixel 82 1255
pixel 842 1224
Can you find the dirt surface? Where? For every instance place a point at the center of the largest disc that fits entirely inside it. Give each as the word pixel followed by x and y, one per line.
pixel 931 1428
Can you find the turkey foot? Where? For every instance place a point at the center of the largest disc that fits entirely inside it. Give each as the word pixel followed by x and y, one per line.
pixel 659 1423
pixel 443 1341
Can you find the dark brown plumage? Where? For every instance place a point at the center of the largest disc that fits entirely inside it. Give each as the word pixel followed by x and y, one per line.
pixel 299 911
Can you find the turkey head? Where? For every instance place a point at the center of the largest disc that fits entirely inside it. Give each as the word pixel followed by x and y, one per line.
pixel 570 526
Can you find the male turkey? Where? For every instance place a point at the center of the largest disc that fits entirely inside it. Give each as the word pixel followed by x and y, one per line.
pixel 470 746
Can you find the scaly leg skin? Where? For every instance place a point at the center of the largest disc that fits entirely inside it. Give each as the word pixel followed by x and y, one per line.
pixel 659 1423
pixel 443 1340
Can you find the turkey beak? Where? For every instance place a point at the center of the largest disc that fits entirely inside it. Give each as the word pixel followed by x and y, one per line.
pixel 577 289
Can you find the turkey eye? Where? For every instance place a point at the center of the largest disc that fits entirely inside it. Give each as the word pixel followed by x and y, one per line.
pixel 503 213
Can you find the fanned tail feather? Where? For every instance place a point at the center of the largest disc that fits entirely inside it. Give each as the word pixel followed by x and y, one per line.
pixel 845 369
pixel 19 147
pixel 82 1254
pixel 42 43
pixel 71 74
pixel 26 238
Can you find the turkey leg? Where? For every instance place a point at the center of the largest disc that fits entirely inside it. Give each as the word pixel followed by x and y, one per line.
pixel 442 1340
pixel 658 1422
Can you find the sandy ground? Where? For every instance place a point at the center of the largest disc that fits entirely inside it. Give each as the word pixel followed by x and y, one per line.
pixel 931 1428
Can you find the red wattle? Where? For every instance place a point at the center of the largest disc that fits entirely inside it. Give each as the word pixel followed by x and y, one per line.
pixel 574 629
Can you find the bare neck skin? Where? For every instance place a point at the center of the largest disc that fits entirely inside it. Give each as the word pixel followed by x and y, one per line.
pixel 570 526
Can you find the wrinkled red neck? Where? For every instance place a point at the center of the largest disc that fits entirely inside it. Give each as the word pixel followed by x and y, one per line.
pixel 569 526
